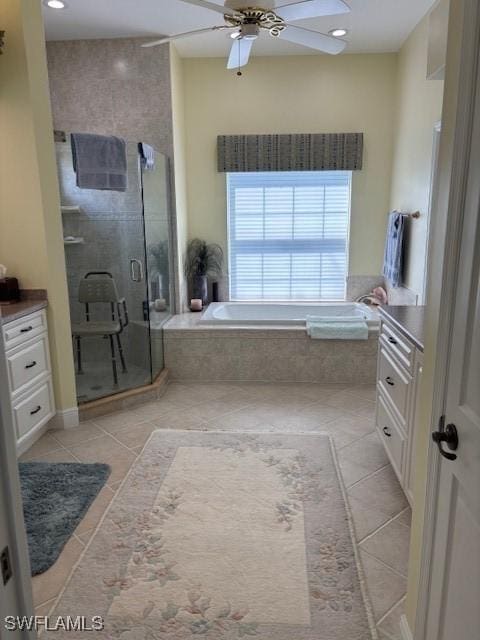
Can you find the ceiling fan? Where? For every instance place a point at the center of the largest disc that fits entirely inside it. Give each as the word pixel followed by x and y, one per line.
pixel 247 21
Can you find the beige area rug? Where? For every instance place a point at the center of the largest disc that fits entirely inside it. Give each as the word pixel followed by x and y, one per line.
pixel 223 536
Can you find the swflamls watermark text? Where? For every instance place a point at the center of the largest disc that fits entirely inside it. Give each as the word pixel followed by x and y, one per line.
pixel 54 623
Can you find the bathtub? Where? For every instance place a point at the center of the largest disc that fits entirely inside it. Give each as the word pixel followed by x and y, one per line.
pixel 268 342
pixel 283 314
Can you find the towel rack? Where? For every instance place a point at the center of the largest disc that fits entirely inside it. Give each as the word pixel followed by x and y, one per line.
pixel 415 214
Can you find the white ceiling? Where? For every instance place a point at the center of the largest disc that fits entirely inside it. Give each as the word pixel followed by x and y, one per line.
pixel 374 25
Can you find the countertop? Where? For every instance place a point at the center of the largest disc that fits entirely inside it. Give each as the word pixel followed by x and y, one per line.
pixel 409 320
pixel 30 302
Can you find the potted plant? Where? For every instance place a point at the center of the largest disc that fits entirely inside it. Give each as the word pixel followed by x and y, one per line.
pixel 202 260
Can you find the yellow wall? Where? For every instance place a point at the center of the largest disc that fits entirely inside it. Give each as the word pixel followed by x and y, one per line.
pixel 419 107
pixel 179 151
pixel 31 239
pixel 293 95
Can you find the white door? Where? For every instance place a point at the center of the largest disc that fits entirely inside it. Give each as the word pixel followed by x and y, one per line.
pixel 8 594
pixel 15 591
pixel 453 611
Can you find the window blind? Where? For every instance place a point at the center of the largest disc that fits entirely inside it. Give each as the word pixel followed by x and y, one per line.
pixel 288 234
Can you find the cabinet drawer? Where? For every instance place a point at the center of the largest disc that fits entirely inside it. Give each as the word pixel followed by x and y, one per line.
pixel 394 382
pixel 400 346
pixel 20 331
pixel 27 363
pixel 391 436
pixel 36 408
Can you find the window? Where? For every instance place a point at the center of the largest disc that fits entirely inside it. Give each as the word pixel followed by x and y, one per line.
pixel 288 234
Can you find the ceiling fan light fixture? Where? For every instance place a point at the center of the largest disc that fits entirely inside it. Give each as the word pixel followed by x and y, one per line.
pixel 338 33
pixel 249 31
pixel 55 4
pixel 235 35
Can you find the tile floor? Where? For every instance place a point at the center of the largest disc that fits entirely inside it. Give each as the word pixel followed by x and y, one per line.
pixel 380 511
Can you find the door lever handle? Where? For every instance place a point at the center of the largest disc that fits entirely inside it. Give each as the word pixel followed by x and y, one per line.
pixel 449 435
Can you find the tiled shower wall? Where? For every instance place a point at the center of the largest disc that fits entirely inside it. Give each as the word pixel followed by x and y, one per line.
pixel 114 87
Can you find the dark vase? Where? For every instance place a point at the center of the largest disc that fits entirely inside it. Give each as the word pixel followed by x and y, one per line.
pixel 200 288
pixel 214 291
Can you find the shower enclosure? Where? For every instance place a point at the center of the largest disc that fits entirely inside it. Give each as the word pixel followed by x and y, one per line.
pixel 124 237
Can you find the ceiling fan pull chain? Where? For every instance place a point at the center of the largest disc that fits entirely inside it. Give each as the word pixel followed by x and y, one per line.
pixel 239 73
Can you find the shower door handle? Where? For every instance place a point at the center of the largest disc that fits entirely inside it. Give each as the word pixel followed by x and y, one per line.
pixel 136 270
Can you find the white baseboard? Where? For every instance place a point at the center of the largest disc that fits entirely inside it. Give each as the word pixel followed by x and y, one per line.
pixel 405 629
pixel 65 419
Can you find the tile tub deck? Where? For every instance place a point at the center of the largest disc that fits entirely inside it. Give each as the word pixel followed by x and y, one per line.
pixel 266 354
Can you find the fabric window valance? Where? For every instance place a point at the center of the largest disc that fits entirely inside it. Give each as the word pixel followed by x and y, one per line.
pixel 290 152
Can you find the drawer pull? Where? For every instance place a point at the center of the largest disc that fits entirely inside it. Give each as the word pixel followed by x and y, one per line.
pixel 387 432
pixel 32 413
pixel 392 340
pixel 390 381
pixel 26 329
pixel 32 364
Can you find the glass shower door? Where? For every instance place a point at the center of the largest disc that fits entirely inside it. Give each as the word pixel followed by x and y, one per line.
pixel 104 234
pixel 156 208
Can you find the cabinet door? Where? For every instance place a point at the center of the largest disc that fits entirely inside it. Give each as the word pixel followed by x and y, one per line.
pixel 391 435
pixel 394 382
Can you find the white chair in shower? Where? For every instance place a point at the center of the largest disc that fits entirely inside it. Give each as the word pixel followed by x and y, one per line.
pixel 98 287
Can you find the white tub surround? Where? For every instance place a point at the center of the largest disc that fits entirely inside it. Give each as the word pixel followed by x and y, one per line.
pixel 264 349
pixel 286 314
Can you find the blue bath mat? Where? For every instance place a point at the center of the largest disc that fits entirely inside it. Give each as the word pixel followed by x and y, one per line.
pixel 56 496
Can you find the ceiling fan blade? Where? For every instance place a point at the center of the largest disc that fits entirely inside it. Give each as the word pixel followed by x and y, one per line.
pixel 239 53
pixel 311 9
pixel 313 39
pixel 213 7
pixel 187 34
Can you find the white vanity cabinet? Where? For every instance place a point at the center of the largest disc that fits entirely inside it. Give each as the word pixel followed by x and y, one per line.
pixel 29 376
pixel 398 378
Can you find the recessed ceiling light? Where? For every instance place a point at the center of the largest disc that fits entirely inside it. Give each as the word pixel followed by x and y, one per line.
pixel 55 4
pixel 338 33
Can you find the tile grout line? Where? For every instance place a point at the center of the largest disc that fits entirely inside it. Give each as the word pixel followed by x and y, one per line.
pixel 42 604
pixel 368 476
pixel 61 447
pixel 408 508
pixel 400 575
pixel 81 442
pixel 386 634
pixel 356 441
pixel 385 524
pixel 382 619
pixel 77 538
